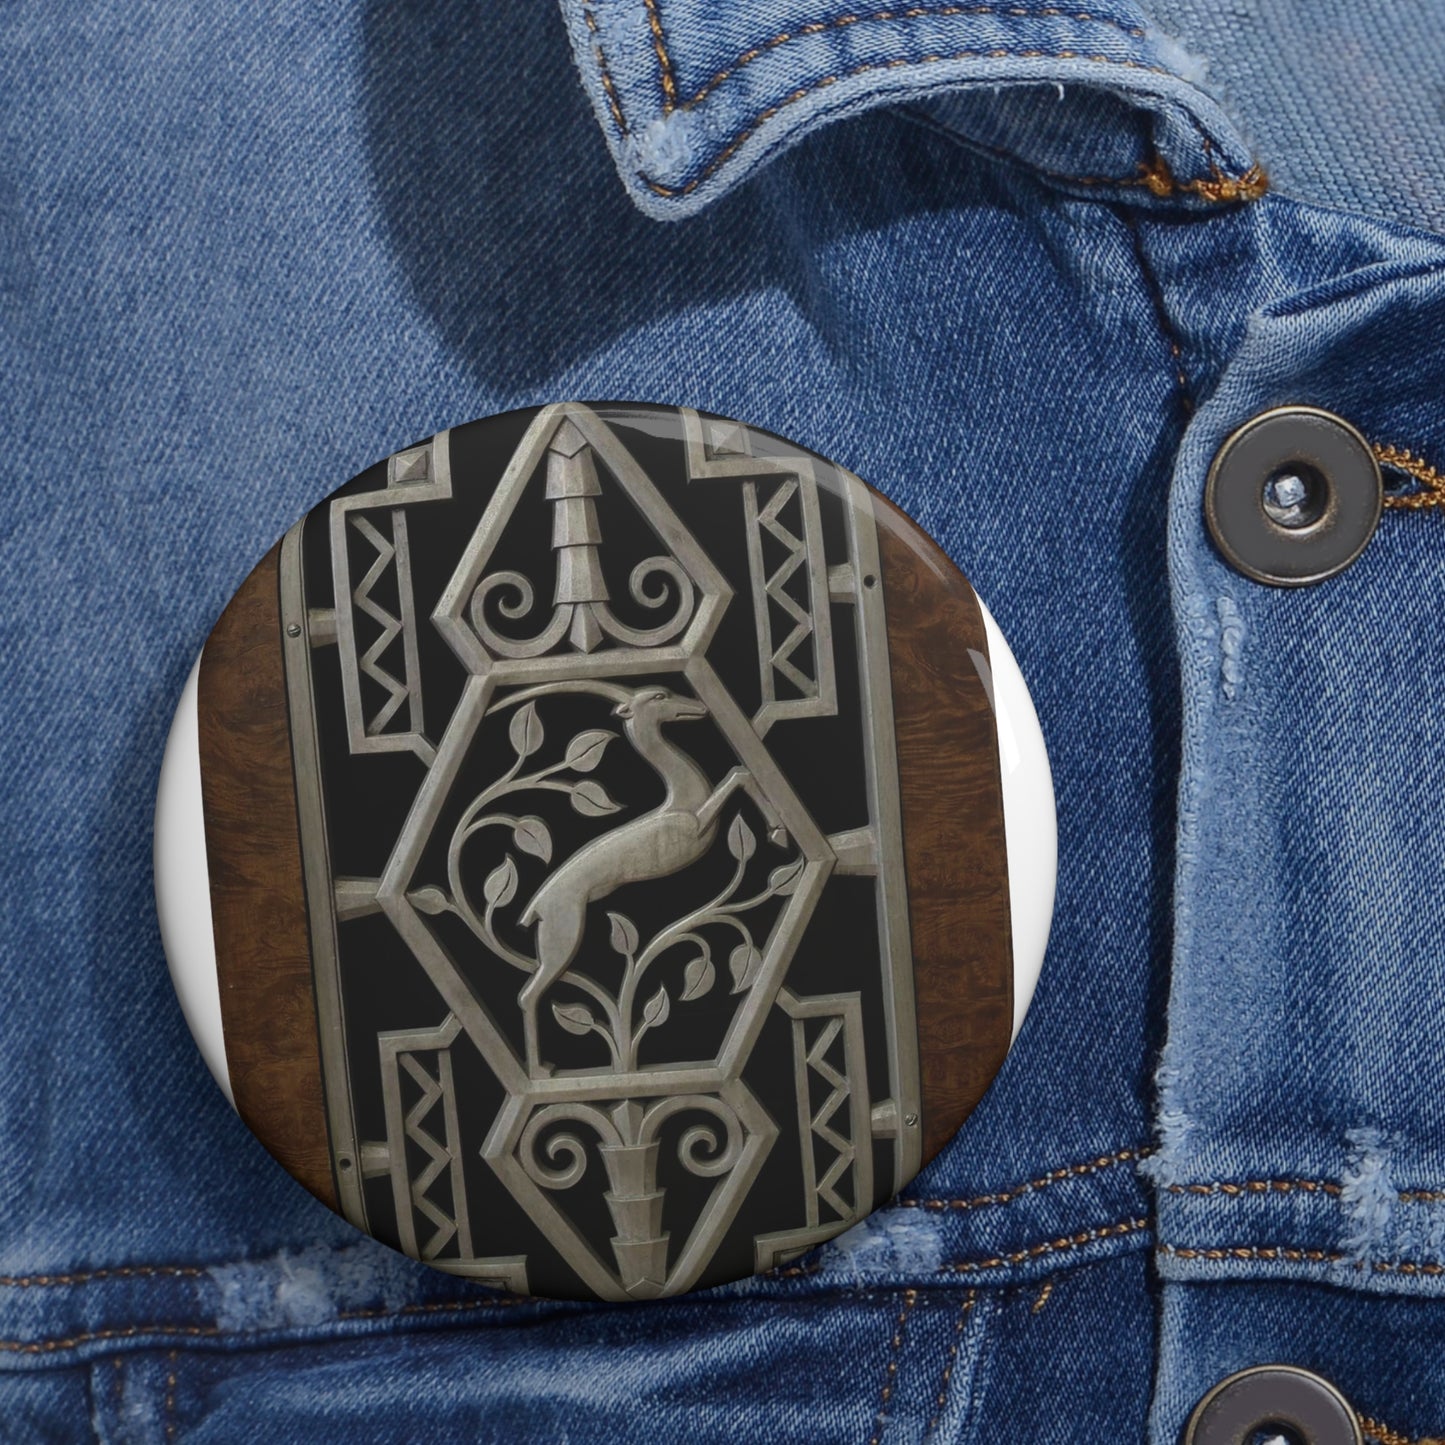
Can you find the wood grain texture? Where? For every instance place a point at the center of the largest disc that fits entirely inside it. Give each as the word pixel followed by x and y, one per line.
pixel 953 831
pixel 258 902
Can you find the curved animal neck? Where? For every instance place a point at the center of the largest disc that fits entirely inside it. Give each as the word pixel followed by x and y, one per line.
pixel 687 784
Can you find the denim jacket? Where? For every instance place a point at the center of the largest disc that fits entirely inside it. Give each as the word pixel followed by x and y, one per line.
pixel 1023 267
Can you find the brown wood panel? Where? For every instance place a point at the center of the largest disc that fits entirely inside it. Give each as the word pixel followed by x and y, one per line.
pixel 953 833
pixel 258 901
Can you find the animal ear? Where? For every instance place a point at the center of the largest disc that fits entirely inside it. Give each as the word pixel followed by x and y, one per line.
pixel 623 709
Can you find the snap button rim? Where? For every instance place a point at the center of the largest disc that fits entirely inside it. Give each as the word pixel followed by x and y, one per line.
pixel 1241 1427
pixel 1266 551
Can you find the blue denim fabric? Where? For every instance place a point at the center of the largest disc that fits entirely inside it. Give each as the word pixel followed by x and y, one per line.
pixel 1026 293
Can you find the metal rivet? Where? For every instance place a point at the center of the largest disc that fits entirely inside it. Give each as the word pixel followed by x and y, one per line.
pixel 293 629
pixel 911 1120
pixel 1280 1398
pixel 1293 496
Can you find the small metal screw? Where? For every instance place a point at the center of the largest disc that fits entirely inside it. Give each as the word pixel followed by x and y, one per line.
pixel 293 629
pixel 910 1119
pixel 345 1164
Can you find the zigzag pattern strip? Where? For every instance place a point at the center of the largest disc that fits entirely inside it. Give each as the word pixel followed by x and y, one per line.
pixel 390 626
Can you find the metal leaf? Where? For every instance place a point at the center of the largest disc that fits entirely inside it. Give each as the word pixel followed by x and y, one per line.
pixel 624 935
pixel 743 963
pixel 697 978
pixel 525 730
pixel 591 800
pixel 430 900
pixel 585 751
pixel 784 879
pixel 741 842
pixel 576 1018
pixel 501 885
pixel 656 1009
pixel 531 836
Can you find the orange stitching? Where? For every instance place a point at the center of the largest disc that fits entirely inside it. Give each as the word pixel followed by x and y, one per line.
pixel 1252 184
pixel 1236 1189
pixel 1386 1436
pixel 1252 1251
pixel 914 12
pixel 1432 482
pixel 1259 1186
pixel 1218 189
pixel 1296 1255
pixel 1054 1176
pixel 1043 1298
pixel 40 1347
pixel 664 60
pixel 951 1361
pixel 129 1271
pixel 910 1298
pixel 1053 1246
pixel 170 1408
pixel 613 103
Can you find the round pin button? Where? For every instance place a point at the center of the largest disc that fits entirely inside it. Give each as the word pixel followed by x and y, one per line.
pixel 1293 496
pixel 1278 1399
pixel 605 850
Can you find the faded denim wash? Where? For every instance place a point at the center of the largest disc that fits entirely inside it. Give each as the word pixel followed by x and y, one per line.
pixel 1017 266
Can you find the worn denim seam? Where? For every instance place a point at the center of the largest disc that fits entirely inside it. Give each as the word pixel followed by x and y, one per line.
pixel 214 1331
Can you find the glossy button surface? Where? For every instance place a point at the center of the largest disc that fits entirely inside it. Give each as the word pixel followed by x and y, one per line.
pixel 630 850
pixel 1278 1398
pixel 1293 496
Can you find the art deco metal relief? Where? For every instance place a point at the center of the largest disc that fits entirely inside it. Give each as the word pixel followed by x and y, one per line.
pixel 596 779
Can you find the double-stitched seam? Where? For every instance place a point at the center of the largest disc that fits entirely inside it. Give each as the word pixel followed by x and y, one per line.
pixel 1432 483
pixel 951 1360
pixel 1044 1181
pixel 890 1375
pixel 843 22
pixel 130 1332
pixel 1296 1255
pixel 803 92
pixel 1051 1246
pixel 1383 1435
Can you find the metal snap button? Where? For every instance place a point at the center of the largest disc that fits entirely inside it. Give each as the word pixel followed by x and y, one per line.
pixel 1293 496
pixel 1295 1403
pixel 605 850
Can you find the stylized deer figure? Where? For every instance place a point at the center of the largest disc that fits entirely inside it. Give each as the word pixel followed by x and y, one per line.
pixel 673 835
